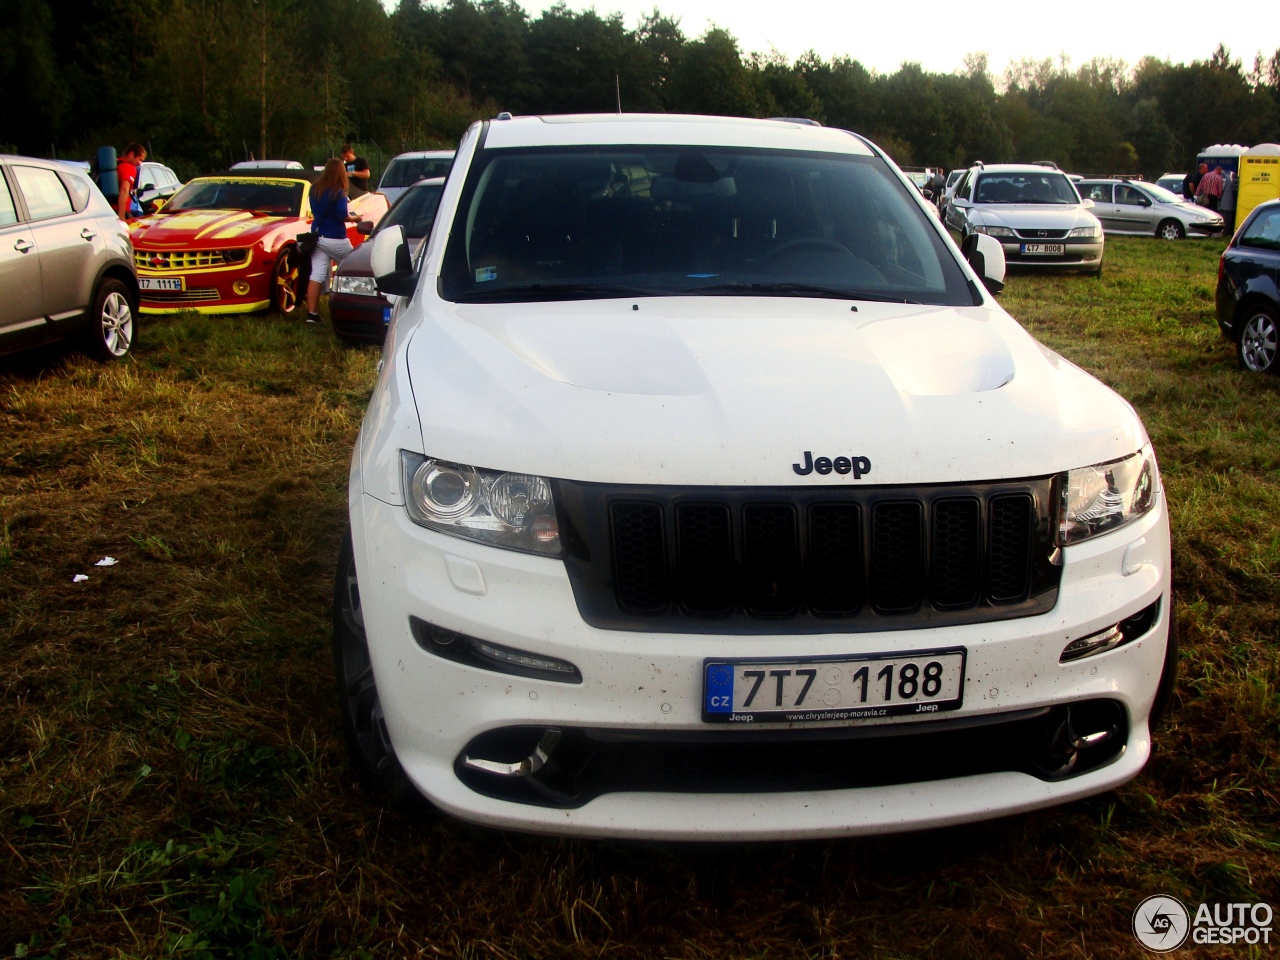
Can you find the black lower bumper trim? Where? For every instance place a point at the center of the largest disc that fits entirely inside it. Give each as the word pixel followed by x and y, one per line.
pixel 1050 743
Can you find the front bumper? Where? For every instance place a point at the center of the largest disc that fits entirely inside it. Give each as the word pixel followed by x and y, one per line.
pixel 211 291
pixel 358 317
pixel 1199 228
pixel 650 685
pixel 1077 255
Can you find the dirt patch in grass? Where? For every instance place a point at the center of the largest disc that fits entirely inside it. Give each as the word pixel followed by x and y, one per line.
pixel 172 783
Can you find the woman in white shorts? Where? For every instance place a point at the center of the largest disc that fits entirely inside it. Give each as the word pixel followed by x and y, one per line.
pixel 330 217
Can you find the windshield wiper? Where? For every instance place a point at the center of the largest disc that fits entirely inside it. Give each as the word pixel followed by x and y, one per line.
pixel 558 291
pixel 791 290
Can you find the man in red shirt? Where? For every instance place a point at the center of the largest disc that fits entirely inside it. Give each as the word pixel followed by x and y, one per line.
pixel 127 176
pixel 1210 190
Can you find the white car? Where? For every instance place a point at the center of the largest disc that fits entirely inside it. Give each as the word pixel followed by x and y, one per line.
pixel 707 493
pixel 1034 211
pixel 406 169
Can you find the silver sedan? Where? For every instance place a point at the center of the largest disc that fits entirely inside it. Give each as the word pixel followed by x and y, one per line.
pixel 1146 209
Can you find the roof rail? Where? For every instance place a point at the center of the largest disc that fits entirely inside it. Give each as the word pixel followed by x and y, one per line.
pixel 812 123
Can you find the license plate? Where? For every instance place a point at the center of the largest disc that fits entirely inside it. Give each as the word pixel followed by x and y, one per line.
pixel 1043 249
pixel 833 688
pixel 162 283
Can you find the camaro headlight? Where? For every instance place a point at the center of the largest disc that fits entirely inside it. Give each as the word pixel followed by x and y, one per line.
pixel 994 231
pixel 363 286
pixel 1098 499
pixel 512 510
pixel 1093 231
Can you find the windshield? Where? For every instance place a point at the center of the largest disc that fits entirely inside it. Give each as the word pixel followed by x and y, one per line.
pixel 407 171
pixel 1047 187
pixel 260 196
pixel 415 211
pixel 1157 192
pixel 591 222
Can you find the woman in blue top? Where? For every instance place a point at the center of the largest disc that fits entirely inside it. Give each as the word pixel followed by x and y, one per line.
pixel 329 224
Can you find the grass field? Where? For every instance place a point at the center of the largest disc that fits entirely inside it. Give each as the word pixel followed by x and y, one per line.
pixel 171 779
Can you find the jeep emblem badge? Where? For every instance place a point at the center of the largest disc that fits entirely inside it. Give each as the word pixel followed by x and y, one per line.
pixel 858 466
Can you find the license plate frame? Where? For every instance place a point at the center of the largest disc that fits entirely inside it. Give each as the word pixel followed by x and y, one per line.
pixel 170 284
pixel 715 711
pixel 1044 249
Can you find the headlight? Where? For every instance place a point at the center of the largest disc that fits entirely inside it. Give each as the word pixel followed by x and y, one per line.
pixel 362 286
pixel 994 231
pixel 513 510
pixel 1098 499
pixel 1085 232
pixel 235 256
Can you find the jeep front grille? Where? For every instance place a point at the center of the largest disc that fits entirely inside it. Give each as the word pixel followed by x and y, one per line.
pixel 787 560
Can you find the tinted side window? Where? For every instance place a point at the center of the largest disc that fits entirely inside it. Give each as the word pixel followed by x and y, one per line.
pixel 8 214
pixel 43 190
pixel 1263 232
pixel 1129 196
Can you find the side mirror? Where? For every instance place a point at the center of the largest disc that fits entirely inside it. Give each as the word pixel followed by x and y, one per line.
pixel 1087 203
pixel 391 263
pixel 986 256
pixel 960 202
pixel 364 227
pixel 158 203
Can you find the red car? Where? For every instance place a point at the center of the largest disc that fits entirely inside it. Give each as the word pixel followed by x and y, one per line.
pixel 228 243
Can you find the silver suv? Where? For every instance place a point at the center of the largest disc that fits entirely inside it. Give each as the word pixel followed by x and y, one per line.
pixel 1147 209
pixel 66 265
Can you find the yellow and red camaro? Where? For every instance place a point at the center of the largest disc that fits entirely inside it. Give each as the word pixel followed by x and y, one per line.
pixel 228 243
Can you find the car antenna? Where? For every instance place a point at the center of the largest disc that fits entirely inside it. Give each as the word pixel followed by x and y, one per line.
pixel 617 91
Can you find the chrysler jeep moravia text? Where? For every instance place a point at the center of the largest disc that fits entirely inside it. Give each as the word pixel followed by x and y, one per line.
pixel 706 492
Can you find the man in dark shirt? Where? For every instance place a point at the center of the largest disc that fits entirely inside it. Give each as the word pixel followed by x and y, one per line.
pixel 1192 183
pixel 357 171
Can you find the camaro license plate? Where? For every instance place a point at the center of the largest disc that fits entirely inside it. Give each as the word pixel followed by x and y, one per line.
pixel 1043 249
pixel 833 688
pixel 162 283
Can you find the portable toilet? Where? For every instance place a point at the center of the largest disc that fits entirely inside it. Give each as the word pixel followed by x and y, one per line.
pixel 1259 178
pixel 1224 155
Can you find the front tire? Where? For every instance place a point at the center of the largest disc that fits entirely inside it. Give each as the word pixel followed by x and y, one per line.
pixel 110 333
pixel 364 728
pixel 286 282
pixel 1170 230
pixel 1256 345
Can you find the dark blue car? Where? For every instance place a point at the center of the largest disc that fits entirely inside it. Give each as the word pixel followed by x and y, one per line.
pixel 1249 290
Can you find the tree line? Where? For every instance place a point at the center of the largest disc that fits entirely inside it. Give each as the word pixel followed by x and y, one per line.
pixel 209 82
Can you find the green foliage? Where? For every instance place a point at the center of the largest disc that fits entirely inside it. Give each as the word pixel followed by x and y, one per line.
pixel 208 82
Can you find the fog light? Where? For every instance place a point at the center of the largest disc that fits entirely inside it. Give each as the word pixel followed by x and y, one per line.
pixel 460 648
pixel 1094 643
pixel 240 287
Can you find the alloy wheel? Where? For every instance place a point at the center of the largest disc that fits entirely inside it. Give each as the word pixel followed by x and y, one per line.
pixel 117 324
pixel 1258 342
pixel 286 282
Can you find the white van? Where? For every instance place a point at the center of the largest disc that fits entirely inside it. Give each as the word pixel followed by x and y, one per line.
pixel 707 493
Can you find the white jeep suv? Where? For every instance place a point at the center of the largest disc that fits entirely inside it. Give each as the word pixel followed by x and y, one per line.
pixel 706 492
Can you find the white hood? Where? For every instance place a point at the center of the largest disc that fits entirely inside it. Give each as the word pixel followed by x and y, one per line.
pixel 734 390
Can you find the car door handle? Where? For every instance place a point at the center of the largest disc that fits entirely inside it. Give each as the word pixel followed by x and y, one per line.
pixel 22 246
pixel 87 234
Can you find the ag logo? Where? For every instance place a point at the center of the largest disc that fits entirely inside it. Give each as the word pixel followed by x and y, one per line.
pixel 1161 923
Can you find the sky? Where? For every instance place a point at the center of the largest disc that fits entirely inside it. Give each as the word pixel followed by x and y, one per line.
pixel 938 35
